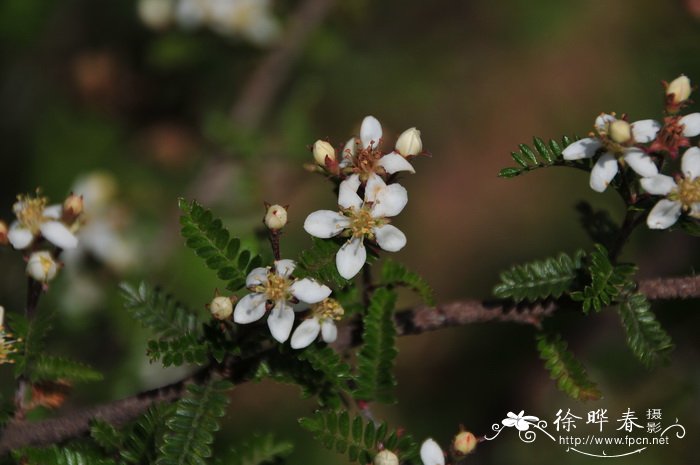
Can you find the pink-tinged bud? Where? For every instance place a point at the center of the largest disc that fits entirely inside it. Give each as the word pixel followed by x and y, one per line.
pixel 323 149
pixel 221 307
pixel 73 206
pixel 42 267
pixel 276 217
pixel 3 233
pixel 464 443
pixel 620 131
pixel 680 89
pixel 409 143
pixel 386 457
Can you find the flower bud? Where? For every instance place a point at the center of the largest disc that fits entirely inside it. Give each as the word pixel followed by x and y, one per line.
pixel 386 457
pixel 464 443
pixel 409 143
pixel 155 14
pixel 323 149
pixel 3 233
pixel 72 207
pixel 42 267
pixel 276 217
pixel 221 307
pixel 680 88
pixel 620 131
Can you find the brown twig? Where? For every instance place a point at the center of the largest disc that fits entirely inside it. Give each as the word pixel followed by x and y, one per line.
pixel 413 321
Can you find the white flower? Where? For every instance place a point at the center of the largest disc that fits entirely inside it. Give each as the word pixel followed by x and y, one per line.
pixel 276 289
pixel 34 218
pixel 691 124
pixel 42 267
pixel 610 144
pixel 681 195
pixel 322 320
pixel 520 421
pixel 431 453
pixel 368 219
pixel 251 19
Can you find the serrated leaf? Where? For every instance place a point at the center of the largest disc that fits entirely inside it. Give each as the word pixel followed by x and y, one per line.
pixel 550 277
pixel 56 455
pixel 394 273
pixel 645 336
pixel 106 436
pixel 51 368
pixel 30 339
pixel 543 156
pixel 569 373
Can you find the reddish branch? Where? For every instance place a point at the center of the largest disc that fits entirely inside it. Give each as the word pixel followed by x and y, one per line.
pixel 414 321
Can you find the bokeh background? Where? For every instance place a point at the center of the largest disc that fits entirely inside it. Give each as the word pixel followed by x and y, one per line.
pixel 140 117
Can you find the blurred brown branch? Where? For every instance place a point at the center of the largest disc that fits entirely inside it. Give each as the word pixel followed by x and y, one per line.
pixel 20 433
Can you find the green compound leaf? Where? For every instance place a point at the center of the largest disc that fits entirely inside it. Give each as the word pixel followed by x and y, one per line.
pixel 258 450
pixel 209 239
pixel 394 273
pixel 318 262
pixel 375 360
pixel 543 155
pixel 361 440
pixel 645 336
pixel 192 425
pixel 106 436
pixel 608 281
pixel 51 368
pixel 56 455
pixel 139 444
pixel 550 277
pixel 31 337
pixel 158 311
pixel 178 351
pixel 565 369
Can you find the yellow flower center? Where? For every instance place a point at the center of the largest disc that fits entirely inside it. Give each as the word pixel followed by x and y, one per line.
pixel 688 192
pixel 277 287
pixel 7 346
pixel 329 308
pixel 362 223
pixel 31 215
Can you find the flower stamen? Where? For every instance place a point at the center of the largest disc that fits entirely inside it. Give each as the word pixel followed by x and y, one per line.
pixel 30 212
pixel 328 308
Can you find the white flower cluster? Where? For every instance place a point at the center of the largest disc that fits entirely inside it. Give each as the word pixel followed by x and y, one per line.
pixel 249 19
pixel 645 146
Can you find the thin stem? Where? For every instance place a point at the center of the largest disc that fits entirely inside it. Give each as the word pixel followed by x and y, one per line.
pixel 34 289
pixel 274 235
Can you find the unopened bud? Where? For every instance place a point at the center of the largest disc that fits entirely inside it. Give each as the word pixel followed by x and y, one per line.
pixel 386 457
pixel 221 307
pixel 72 207
pixel 680 88
pixel 42 267
pixel 3 233
pixel 620 131
pixel 323 149
pixel 276 217
pixel 464 443
pixel 409 143
pixel 156 14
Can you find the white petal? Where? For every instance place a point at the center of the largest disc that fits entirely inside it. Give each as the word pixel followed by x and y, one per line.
pixel 690 163
pixel 602 122
pixel 692 124
pixel 603 172
pixel 431 454
pixel 325 223
pixel 305 334
pixel 695 210
pixel 249 309
pixel 329 331
pixel 284 268
pixel 280 321
pixel 347 193
pixel 390 201
pixel 350 258
pixel 390 238
pixel 664 214
pixel 309 291
pixel 584 148
pixel 645 130
pixel 375 184
pixel 658 185
pixel 370 132
pixel 394 162
pixel 640 162
pixel 257 277
pixel 58 234
pixel 20 237
pixel 53 211
pixel 350 148
pixel 509 422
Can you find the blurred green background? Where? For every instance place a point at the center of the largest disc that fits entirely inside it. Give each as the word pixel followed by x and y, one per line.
pixel 85 88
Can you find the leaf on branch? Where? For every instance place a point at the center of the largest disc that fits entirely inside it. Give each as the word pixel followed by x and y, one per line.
pixel 569 373
pixel 543 155
pixel 258 450
pixel 318 262
pixel 56 455
pixel 394 273
pixel 608 281
pixel 158 311
pixel 52 368
pixel 550 277
pixel 139 445
pixel 357 437
pixel 178 351
pixel 106 436
pixel 645 336
pixel 375 360
pixel 32 336
pixel 212 242
pixel 192 425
